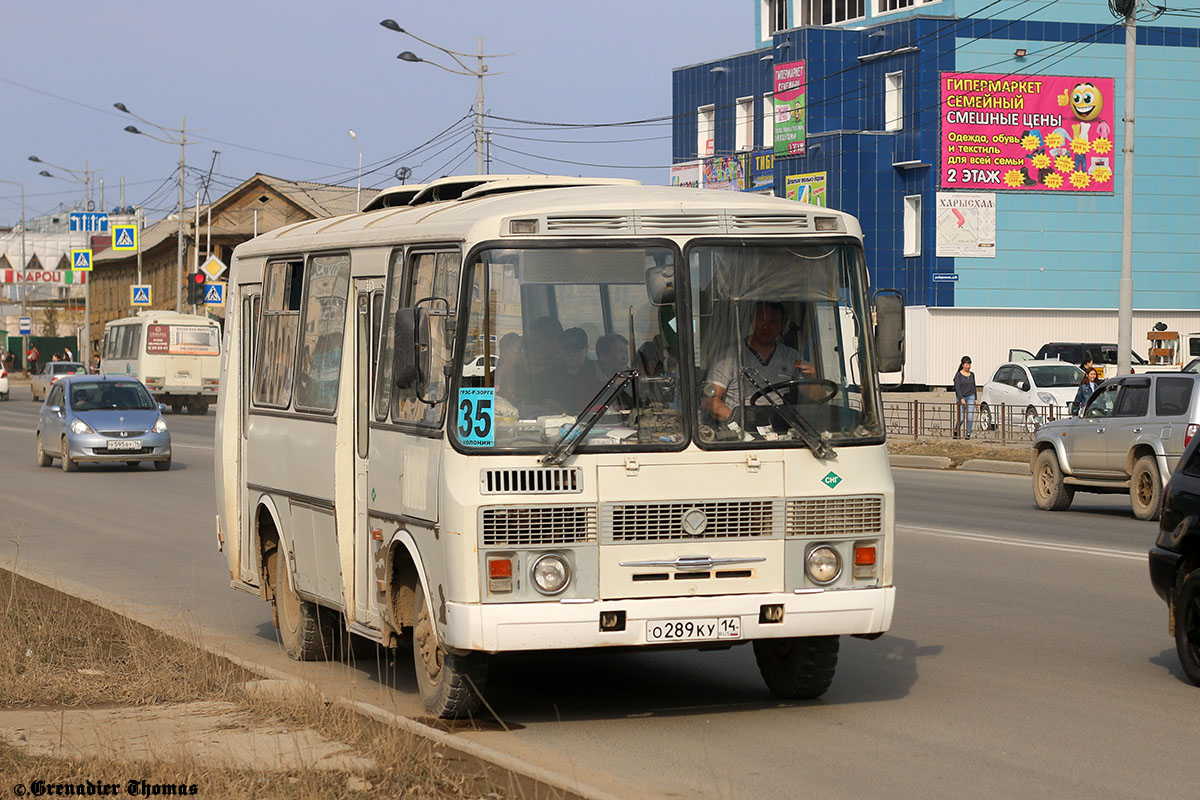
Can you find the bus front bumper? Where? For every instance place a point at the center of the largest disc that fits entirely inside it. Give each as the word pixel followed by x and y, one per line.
pixel 502 627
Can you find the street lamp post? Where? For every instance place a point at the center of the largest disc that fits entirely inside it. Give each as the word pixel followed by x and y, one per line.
pixel 478 73
pixel 85 178
pixel 21 274
pixel 182 142
pixel 358 193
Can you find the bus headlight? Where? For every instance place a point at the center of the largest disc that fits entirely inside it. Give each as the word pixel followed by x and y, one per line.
pixel 550 574
pixel 824 564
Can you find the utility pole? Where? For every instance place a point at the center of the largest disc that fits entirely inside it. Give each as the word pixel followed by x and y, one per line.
pixel 1125 287
pixel 21 276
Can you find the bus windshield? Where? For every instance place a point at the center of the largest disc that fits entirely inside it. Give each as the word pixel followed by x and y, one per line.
pixel 781 344
pixel 558 325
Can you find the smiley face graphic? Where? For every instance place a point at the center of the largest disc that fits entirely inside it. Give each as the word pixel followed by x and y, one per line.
pixel 1086 102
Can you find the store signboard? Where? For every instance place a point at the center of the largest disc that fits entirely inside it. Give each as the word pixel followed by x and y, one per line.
pixel 789 109
pixel 1031 133
pixel 809 187
pixel 686 174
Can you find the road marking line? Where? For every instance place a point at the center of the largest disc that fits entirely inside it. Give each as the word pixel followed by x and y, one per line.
pixel 1077 549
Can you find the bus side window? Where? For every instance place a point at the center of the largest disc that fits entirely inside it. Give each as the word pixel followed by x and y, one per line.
pixel 274 364
pixel 324 324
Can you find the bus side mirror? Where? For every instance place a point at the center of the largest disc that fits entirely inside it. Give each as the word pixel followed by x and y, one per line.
pixel 410 347
pixel 889 330
pixel 660 285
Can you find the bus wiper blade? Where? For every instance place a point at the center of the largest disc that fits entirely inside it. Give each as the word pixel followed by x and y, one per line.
pixel 587 419
pixel 808 433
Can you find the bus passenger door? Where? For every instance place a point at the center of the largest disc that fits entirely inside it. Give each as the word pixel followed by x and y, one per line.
pixel 368 300
pixel 251 297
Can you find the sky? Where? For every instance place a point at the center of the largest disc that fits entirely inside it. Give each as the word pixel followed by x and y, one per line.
pixel 275 87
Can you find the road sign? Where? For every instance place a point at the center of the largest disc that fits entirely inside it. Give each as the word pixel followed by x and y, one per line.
pixel 213 268
pixel 214 294
pixel 139 294
pixel 90 221
pixel 125 237
pixel 25 326
pixel 81 259
pixel 945 277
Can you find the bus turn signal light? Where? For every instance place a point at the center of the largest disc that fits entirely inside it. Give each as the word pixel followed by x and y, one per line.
pixel 500 572
pixel 864 561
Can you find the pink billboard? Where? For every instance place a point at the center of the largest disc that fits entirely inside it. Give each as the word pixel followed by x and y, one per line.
pixel 1036 133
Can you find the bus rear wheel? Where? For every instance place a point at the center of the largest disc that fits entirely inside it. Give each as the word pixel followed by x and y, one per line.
pixel 197 408
pixel 798 668
pixel 450 684
pixel 298 620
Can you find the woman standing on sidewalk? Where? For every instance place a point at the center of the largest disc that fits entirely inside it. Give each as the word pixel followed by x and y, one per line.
pixel 1086 388
pixel 964 394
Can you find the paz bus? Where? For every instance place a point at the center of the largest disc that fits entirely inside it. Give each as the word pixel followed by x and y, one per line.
pixel 176 355
pixel 485 419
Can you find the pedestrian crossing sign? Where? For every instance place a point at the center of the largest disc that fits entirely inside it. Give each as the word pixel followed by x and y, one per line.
pixel 214 294
pixel 125 237
pixel 139 295
pixel 81 259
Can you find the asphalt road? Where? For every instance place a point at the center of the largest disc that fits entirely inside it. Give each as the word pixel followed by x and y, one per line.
pixel 1028 655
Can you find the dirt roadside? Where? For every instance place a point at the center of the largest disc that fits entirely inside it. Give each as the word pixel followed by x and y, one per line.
pixel 89 698
pixel 958 450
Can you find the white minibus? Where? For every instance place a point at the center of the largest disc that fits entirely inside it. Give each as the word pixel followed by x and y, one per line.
pixel 680 444
pixel 175 355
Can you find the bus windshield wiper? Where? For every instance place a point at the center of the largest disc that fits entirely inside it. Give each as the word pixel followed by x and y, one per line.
pixel 807 431
pixel 568 440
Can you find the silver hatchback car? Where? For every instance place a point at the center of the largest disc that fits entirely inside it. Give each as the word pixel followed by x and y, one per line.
pixel 102 418
pixel 1128 438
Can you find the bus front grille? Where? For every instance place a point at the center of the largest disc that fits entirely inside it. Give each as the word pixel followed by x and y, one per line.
pixel 522 526
pixel 544 480
pixel 835 516
pixel 691 520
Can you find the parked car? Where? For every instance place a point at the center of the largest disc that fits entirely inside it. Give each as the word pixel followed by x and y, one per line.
pixel 474 367
pixel 1175 559
pixel 40 383
pixel 102 418
pixel 1038 389
pixel 1129 438
pixel 3 383
pixel 1103 355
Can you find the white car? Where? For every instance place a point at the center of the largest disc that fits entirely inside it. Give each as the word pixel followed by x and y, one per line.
pixel 3 383
pixel 1034 388
pixel 474 367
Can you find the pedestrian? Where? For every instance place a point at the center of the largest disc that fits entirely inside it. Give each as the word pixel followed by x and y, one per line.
pixel 32 356
pixel 69 355
pixel 964 395
pixel 1087 387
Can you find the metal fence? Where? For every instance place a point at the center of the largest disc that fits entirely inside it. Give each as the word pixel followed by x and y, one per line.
pixel 1002 425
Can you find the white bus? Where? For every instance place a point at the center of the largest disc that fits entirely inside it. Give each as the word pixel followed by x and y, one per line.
pixel 175 355
pixel 588 491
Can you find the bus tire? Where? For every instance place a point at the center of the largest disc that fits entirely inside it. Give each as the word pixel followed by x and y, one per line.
pixel 298 620
pixel 176 407
pixel 798 668
pixel 450 684
pixel 197 408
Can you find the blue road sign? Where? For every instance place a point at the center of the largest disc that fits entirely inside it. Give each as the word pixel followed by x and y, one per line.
pixel 81 259
pixel 125 237
pixel 25 326
pixel 90 221
pixel 945 277
pixel 214 294
pixel 139 295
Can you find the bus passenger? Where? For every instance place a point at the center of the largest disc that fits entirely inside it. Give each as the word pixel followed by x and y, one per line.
pixel 582 374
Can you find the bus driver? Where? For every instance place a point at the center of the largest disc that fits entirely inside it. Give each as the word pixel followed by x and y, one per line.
pixel 773 360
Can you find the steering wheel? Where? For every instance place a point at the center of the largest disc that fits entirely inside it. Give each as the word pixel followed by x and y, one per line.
pixel 796 383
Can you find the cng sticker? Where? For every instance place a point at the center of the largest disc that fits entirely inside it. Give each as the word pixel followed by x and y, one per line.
pixel 832 479
pixel 476 417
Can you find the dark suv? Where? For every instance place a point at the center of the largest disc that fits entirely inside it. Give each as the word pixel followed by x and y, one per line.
pixel 1175 559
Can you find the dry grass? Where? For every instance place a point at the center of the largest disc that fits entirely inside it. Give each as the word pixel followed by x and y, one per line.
pixel 58 651
pixel 958 450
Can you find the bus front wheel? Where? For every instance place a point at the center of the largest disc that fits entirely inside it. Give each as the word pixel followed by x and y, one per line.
pixel 298 620
pixel 450 684
pixel 798 668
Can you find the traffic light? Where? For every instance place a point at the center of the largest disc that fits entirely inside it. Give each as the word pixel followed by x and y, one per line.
pixel 195 288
